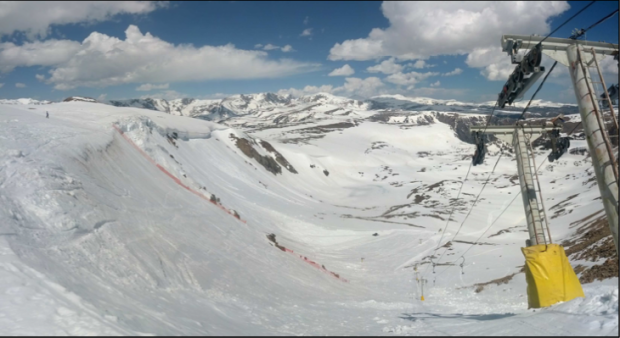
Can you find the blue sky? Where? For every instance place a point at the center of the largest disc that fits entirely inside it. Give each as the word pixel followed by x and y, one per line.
pixel 214 49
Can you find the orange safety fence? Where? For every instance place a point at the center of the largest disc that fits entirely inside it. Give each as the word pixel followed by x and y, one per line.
pixel 174 178
pixel 316 265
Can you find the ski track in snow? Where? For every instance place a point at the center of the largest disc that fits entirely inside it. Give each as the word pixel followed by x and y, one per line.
pixel 96 240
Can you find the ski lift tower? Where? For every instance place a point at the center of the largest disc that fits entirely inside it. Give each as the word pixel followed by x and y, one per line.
pixel 549 276
pixel 579 56
pixel 520 136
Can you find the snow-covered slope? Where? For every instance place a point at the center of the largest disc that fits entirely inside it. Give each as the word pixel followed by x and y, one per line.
pixel 107 226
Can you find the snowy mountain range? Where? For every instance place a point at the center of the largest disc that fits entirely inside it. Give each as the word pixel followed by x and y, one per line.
pixel 237 105
pixel 271 103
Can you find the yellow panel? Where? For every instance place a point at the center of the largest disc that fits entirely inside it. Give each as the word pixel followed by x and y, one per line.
pixel 550 277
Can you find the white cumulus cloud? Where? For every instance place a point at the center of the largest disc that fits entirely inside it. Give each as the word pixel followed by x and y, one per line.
pixel 306 32
pixel 148 87
pixel 285 49
pixel 367 87
pixel 421 64
pixel 20 85
pixel 410 78
pixel 307 90
pixel 456 71
pixel 495 64
pixel 353 87
pixel 101 60
pixel 420 29
pixel 438 93
pixel 46 53
pixel 166 94
pixel 436 84
pixel 609 65
pixel 270 47
pixel 345 70
pixel 388 66
pixel 34 18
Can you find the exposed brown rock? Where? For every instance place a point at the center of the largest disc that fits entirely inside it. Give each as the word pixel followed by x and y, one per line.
pixel 246 146
pixel 593 242
pixel 279 158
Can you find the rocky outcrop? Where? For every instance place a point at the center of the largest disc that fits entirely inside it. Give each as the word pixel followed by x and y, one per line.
pixel 268 162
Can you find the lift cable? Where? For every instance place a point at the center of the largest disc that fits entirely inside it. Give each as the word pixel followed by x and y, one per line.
pixel 574 37
pixel 569 19
pixel 500 215
pixel 489 120
pixel 475 201
pixel 583 31
pixel 520 117
pixel 461 189
pixel 537 90
pixel 490 226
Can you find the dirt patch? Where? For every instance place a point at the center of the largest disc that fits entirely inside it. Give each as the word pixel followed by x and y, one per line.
pixel 472 243
pixel 593 242
pixel 395 208
pixel 435 216
pixel 375 219
pixel 499 281
pixel 266 161
pixel 301 140
pixel 507 231
pixel 560 208
pixel 326 128
pixel 272 238
pixel 579 269
pixel 247 148
pixel 587 235
pixel 609 269
pixel 420 198
pixel 279 158
pixel 563 202
pixel 375 146
pixel 585 219
pixel 514 179
pixel 429 188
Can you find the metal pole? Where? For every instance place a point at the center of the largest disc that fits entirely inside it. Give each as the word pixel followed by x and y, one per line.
pixel 599 116
pixel 528 190
pixel 422 285
pixel 611 106
pixel 601 161
pixel 542 199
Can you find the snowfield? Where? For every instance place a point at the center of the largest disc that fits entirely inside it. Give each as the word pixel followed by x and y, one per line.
pixel 107 228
